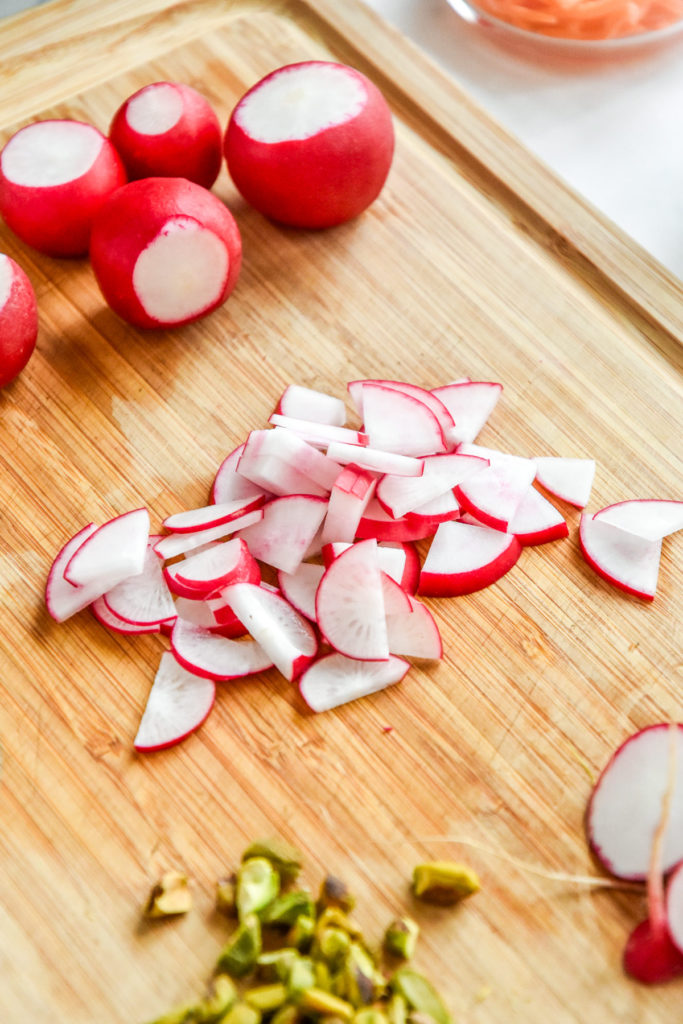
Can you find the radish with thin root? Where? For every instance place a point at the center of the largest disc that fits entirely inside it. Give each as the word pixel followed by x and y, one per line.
pixel 178 703
pixel 54 177
pixel 165 252
pixel 334 679
pixel 623 559
pixel 463 558
pixel 286 636
pixel 18 319
pixel 169 130
pixel 350 604
pixel 311 144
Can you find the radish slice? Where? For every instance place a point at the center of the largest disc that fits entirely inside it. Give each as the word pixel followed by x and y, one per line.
pixel 285 532
pixel 674 906
pixel 352 492
pixel 397 422
pixel 350 604
pixel 537 521
pixel 623 559
pixel 650 518
pixel 379 524
pixel 334 679
pixel 61 598
pixel 294 452
pixel 428 398
pixel 414 634
pixel 470 404
pixel 279 478
pixel 212 614
pixel 218 565
pixel 464 558
pixel 204 653
pixel 568 479
pixel 143 600
pixel 300 586
pixel 116 624
pixel 211 515
pixel 439 510
pixel 494 494
pixel 112 552
pixel 180 543
pixel 401 494
pixel 178 703
pixel 229 485
pixel 287 637
pixel 308 404
pixel 396 601
pixel 375 460
pixel 318 434
pixel 625 806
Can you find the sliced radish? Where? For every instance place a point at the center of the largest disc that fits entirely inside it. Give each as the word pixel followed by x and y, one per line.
pixel 207 654
pixel 414 634
pixel 334 679
pixel 54 177
pixel 279 478
pixel 212 614
pixel 283 536
pixel 217 566
pixel 441 473
pixel 568 479
pixel 318 434
pixel 537 521
pixel 494 494
pixel 144 599
pixel 61 597
pixel 470 404
pixel 379 524
pixel 396 600
pixel 350 604
pixel 623 559
pixel 285 635
pixel 168 129
pixel 229 485
pixel 300 586
pixel 116 624
pixel 464 558
pixel 625 805
pixel 310 144
pixel 409 575
pixel 439 510
pixel 114 551
pixel 428 398
pixel 301 403
pixel 18 319
pixel 165 252
pixel 301 456
pixel 375 460
pixel 352 492
pixel 674 906
pixel 180 543
pixel 208 516
pixel 178 703
pixel 397 422
pixel 650 518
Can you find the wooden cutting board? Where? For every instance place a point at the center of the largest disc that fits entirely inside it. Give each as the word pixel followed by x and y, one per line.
pixel 475 260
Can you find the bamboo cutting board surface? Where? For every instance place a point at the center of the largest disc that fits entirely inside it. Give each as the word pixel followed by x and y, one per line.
pixel 475 261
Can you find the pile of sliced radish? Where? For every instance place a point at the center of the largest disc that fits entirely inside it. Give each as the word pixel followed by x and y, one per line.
pixel 332 513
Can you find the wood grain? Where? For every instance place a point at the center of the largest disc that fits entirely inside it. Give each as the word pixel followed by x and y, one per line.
pixel 474 260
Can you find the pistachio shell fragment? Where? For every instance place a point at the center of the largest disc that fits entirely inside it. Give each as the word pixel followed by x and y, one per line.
pixel 444 882
pixel 171 895
pixel 258 883
pixel 419 994
pixel 284 857
pixel 400 938
pixel 335 893
pixel 243 948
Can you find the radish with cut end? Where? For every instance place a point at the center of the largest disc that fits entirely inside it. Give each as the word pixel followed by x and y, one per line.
pixel 400 423
pixel 353 489
pixel 229 485
pixel 334 679
pixel 310 144
pixel 318 434
pixel 208 516
pixel 650 518
pixel 414 634
pixel 285 635
pixel 112 552
pixel 279 478
pixel 180 543
pixel 623 559
pixel 54 177
pixel 350 604
pixel 165 252
pixel 470 404
pixel 283 536
pixel 441 473
pixel 568 479
pixel 494 494
pixel 428 398
pixel 62 598
pixel 302 403
pixel 300 586
pixel 113 622
pixel 169 130
pixel 375 460
pixel 464 558
pixel 178 703
pixel 18 319
pixel 207 654
pixel 144 599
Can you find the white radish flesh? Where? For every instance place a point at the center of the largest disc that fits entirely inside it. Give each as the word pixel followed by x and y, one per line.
pixel 568 479
pixel 181 543
pixel 114 551
pixel 399 423
pixel 352 492
pixel 284 534
pixel 536 520
pixel 285 635
pixel 428 398
pixel 219 565
pixel 113 622
pixel 229 485
pixel 208 516
pixel 494 494
pixel 470 404
pixel 178 703
pixel 375 460
pixel 207 654
pixel 414 634
pixel 623 559
pixel 350 604
pixel 300 587
pixel 464 558
pixel 61 597
pixel 441 473
pixel 301 403
pixel 318 434
pixel 334 679
pixel 144 599
pixel 650 518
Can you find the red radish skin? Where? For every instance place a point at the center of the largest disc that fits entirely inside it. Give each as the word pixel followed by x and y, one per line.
pixel 169 130
pixel 649 518
pixel 106 617
pixel 54 177
pixel 18 320
pixel 621 558
pixel 674 906
pixel 178 703
pixel 349 604
pixel 211 656
pixel 165 252
pixel 650 956
pixel 286 636
pixel 311 144
pixel 463 559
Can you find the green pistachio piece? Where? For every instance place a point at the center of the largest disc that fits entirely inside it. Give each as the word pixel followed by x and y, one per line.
pixel 287 1014
pixel 258 883
pixel 226 892
pixel 419 994
pixel 284 857
pixel 369 1016
pixel 444 882
pixel 317 1000
pixel 266 998
pixel 186 1014
pixel 364 983
pixel 396 1009
pixel 334 917
pixel 400 937
pixel 300 935
pixel 301 976
pixel 284 910
pixel 241 1013
pixel 333 944
pixel 323 975
pixel 222 996
pixel 243 948
pixel 335 893
pixel 170 895
pixel 276 964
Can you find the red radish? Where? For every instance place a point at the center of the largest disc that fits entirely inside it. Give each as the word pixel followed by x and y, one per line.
pixel 401 494
pixel 537 521
pixel 674 906
pixel 439 510
pixel 349 604
pixel 396 601
pixel 180 543
pixel 204 653
pixel 414 634
pixel 302 403
pixel 178 703
pixel 228 484
pixel 283 536
pixel 293 450
pixel 112 552
pixel 219 565
pixel 375 460
pixel 379 524
pixel 300 586
pixel 623 559
pixel 353 489
pixel 319 434
pixel 650 518
pixel 144 599
pixel 470 404
pixel 651 956
pixel 212 614
pixel 568 479
pixel 208 516
pixel 54 177
pixel 170 130
pixel 61 598
pixel 398 560
pixel 310 144
pixel 401 423
pixel 335 679
pixel 494 494
pixel 286 637
pixel 272 474
pixel 464 558
pixel 165 252
pixel 113 622
pixel 428 398
pixel 18 319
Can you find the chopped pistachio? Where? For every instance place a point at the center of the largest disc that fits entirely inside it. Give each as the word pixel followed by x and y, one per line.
pixel 300 935
pixel 400 937
pixel 396 1009
pixel 284 910
pixel 335 893
pixel 287 1014
pixel 284 857
pixel 170 895
pixel 241 1013
pixel 419 994
pixel 334 917
pixel 323 975
pixel 275 964
pixel 370 1015
pixel 186 1014
pixel 301 976
pixel 317 1000
pixel 333 944
pixel 266 998
pixel 226 891
pixel 444 882
pixel 258 883
pixel 364 983
pixel 222 996
pixel 243 948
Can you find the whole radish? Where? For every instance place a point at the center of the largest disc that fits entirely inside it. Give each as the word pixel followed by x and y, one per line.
pixel 165 251
pixel 311 144
pixel 168 129
pixel 18 319
pixel 54 176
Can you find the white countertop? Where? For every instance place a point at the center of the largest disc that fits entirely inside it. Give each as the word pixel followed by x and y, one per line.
pixel 612 129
